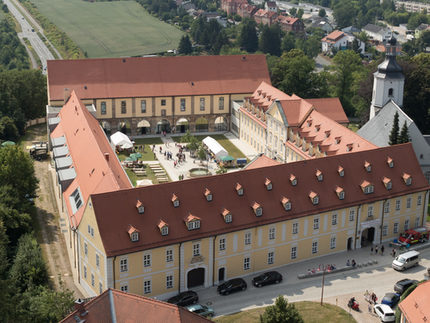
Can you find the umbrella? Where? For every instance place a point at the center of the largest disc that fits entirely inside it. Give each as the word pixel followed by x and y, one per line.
pixel 126 146
pixel 8 143
pixel 227 158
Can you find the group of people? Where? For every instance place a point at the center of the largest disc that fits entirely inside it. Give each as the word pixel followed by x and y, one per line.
pixel 351 263
pixel 377 249
pixel 321 267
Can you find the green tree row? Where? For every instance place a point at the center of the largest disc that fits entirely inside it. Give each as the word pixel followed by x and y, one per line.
pixel 12 53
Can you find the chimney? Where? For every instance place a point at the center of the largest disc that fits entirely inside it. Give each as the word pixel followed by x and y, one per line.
pixel 66 95
pixel 79 307
pixel 107 156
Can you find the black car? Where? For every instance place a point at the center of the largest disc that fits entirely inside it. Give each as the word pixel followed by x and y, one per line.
pixel 231 286
pixel 270 277
pixel 402 285
pixel 184 298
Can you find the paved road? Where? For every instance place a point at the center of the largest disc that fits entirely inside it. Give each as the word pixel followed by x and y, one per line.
pixel 321 62
pixel 30 33
pixel 379 278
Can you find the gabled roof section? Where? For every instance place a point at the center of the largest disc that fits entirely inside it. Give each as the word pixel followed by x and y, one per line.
pixel 116 306
pixel 265 95
pixel 331 108
pixel 334 36
pixel 156 76
pixel 96 165
pixel 415 307
pixel 157 198
pixel 261 161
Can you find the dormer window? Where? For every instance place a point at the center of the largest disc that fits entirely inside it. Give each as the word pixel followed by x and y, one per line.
pixel 341 171
pixel 314 198
pixel 239 189
pixel 293 180
pixel 268 184
pixel 319 175
pixel 390 162
pixel 133 233
pixel 192 222
pixel 208 195
pixel 367 187
pixel 309 122
pixel 175 200
pixel 228 218
pixel 337 140
pixel 387 183
pixel 348 147
pixel 164 228
pixel 340 193
pixel 286 203
pixel 327 133
pixel 367 166
pixel 139 206
pixel 407 178
pixel 258 210
pixel 317 127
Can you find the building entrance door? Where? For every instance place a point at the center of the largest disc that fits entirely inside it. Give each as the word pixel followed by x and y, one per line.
pixel 196 277
pixel 221 274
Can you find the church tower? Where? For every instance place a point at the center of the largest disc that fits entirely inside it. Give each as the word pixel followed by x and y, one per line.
pixel 388 81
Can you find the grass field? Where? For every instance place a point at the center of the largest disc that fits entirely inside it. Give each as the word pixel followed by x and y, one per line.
pixel 311 312
pixel 110 29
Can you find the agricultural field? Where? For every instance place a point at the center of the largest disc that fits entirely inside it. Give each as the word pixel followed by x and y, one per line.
pixel 110 29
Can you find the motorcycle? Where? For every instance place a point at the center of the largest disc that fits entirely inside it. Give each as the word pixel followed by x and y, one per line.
pixel 353 304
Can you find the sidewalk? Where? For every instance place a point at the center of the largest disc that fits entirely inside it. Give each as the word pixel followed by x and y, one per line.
pixel 248 151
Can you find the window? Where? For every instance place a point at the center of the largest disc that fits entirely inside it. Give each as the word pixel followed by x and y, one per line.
pixel 417 222
pixel 165 230
pixel 370 211
pixel 221 103
pixel 92 280
pixel 333 243
pixel 408 203
pixel 368 189
pixel 334 219
pixel 222 244
pixel 123 107
pixel 182 104
pixel 89 229
pixel 100 288
pixel 270 258
pixel 248 238
pixel 389 185
pixel 315 247
pixel 385 230
pixel 192 225
pixel 272 232
pixel 419 201
pixel 295 228
pixel 147 260
pixel 397 205
pixel 387 207
pixel 246 263
pixel 163 112
pixel 351 215
pixel 315 200
pixel 390 92
pixel 396 228
pixel 316 223
pixel 196 249
pixel 85 272
pixel 169 281
pixel 293 252
pixel 228 218
pixel 406 224
pixel 76 201
pixel 147 287
pixel 169 255
pixel 202 104
pixel 86 249
pixel 124 288
pixel 341 195
pixel 98 261
pixel 103 107
pixel 92 232
pixel 123 264
pixel 163 103
pixel 143 106
pixel 135 236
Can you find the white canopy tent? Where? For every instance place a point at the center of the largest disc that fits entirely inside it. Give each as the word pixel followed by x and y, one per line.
pixel 121 140
pixel 215 148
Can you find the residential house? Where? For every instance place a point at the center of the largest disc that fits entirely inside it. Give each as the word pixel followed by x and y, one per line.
pixel 231 6
pixel 420 29
pixel 289 23
pixel 337 39
pixel 246 10
pixel 412 6
pixel 271 6
pixel 322 23
pixel 265 17
pixel 377 33
pixel 415 307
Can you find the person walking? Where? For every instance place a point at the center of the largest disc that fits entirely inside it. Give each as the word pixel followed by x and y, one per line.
pixel 371 250
pixel 382 250
pixel 376 250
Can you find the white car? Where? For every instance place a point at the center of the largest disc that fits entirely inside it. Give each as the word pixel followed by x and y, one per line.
pixel 385 313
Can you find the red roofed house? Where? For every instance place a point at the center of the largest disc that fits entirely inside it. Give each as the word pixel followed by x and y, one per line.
pixel 336 39
pixel 265 17
pixel 246 10
pixel 293 24
pixel 202 231
pixel 149 95
pixel 415 307
pixel 231 6
pixel 116 306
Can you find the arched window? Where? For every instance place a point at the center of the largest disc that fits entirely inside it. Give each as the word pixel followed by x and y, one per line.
pixel 390 92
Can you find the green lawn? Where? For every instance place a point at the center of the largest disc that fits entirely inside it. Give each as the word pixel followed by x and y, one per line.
pixel 311 312
pixel 110 28
pixel 147 154
pixel 223 141
pixel 149 175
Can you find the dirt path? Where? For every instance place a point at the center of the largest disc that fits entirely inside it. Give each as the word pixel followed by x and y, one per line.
pixel 50 236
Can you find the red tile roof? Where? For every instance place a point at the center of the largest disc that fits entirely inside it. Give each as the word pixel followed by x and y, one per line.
pixel 156 199
pixel 415 307
pixel 330 107
pixel 261 161
pixel 156 76
pixel 333 36
pixel 130 308
pixel 88 146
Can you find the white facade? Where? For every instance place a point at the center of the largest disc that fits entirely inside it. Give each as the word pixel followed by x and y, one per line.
pixel 384 90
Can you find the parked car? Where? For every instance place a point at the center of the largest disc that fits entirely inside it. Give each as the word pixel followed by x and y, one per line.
pixel 231 286
pixel 391 299
pixel 184 298
pixel 267 278
pixel 406 260
pixel 202 310
pixel 385 313
pixel 402 285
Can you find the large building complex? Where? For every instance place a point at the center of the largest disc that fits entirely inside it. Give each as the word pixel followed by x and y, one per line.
pixel 150 95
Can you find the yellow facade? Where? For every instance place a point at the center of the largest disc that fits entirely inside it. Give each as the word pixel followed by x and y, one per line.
pixel 123 108
pixel 202 105
pixel 163 106
pixel 104 108
pixel 143 107
pixel 182 105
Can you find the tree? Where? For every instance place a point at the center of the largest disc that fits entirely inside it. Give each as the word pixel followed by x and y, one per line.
pixel 185 46
pixel 270 40
pixel 288 42
pixel 201 153
pixel 248 36
pixel 322 13
pixel 8 130
pixel 394 134
pixel 293 11
pixel 344 13
pixel 281 312
pixel 404 134
pixel 300 13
